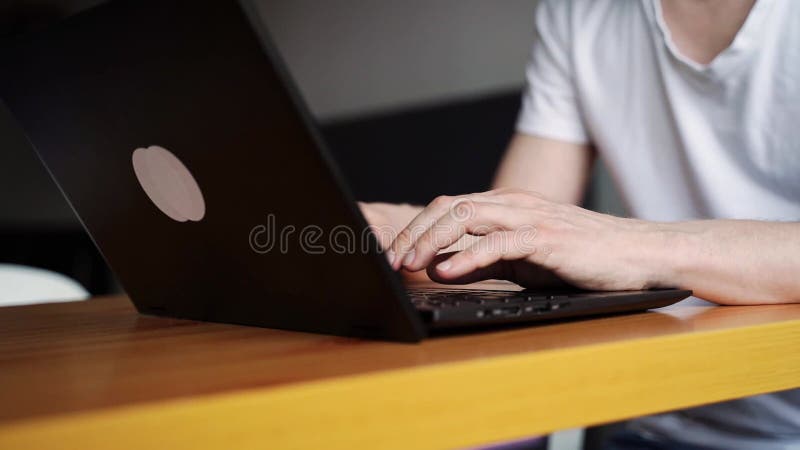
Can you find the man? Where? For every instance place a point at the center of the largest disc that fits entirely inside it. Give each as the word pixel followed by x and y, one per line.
pixel 694 105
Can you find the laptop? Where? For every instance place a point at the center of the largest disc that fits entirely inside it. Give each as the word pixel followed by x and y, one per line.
pixel 178 138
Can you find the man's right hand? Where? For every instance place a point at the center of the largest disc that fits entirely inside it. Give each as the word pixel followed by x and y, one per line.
pixel 387 219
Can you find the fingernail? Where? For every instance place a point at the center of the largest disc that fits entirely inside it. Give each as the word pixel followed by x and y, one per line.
pixel 444 266
pixel 390 257
pixel 409 258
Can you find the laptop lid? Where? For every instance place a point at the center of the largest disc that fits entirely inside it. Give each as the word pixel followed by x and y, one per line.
pixel 230 210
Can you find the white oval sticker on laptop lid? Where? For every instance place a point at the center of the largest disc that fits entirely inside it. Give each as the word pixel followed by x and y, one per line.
pixel 168 184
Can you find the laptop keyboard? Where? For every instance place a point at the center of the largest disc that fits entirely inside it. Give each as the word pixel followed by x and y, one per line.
pixel 428 299
pixel 451 308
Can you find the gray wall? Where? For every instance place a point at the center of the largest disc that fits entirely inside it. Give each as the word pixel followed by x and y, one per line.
pixel 352 57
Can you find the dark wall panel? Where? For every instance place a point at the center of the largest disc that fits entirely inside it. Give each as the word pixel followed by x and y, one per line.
pixel 414 155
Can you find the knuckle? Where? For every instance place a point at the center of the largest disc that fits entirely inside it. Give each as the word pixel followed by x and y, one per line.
pixel 442 201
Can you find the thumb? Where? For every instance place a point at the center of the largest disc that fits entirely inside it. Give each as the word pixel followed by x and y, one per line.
pixel 496 271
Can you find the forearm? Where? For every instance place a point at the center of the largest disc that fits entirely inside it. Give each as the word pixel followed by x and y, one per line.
pixel 730 261
pixel 557 170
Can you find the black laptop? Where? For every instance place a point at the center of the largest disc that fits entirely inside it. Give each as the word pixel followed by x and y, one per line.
pixel 179 140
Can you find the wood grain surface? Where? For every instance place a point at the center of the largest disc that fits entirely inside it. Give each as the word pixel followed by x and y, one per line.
pixel 91 370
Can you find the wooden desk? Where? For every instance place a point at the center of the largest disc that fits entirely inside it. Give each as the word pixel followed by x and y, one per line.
pixel 97 375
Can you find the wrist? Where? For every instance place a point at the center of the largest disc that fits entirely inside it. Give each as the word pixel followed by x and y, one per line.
pixel 668 252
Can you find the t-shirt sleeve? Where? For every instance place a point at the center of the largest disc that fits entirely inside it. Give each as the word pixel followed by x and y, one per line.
pixel 550 106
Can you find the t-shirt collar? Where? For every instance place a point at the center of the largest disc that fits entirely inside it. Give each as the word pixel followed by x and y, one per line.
pixel 746 39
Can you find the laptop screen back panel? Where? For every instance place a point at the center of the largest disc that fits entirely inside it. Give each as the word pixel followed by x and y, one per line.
pixel 193 78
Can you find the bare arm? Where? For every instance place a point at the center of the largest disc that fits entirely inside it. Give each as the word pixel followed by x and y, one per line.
pixel 734 262
pixel 556 169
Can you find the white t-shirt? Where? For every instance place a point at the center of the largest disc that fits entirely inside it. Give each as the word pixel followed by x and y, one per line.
pixel 682 141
